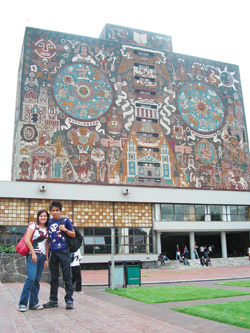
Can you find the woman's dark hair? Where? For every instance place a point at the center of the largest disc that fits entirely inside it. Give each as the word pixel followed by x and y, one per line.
pixel 55 204
pixel 39 213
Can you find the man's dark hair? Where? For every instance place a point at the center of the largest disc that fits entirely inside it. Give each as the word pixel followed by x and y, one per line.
pixel 55 204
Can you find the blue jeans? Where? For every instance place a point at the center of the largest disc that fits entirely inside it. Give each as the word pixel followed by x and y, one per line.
pixel 196 256
pixel 32 286
pixel 62 259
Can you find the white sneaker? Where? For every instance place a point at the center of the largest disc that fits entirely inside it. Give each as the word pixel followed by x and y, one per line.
pixel 37 307
pixel 22 308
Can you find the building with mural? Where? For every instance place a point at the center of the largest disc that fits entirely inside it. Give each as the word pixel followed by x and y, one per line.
pixel 123 114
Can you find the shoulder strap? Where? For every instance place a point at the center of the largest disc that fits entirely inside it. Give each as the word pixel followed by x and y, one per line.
pixel 61 220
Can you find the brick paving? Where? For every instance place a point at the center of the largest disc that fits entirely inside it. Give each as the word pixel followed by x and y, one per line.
pixel 100 277
pixel 89 315
pixel 97 311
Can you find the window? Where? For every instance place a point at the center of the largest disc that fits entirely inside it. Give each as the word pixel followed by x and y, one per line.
pixel 144 92
pixel 157 165
pixel 133 240
pixel 155 135
pixel 170 212
pixel 179 212
pixel 96 240
pixel 146 106
pixel 200 212
pixel 147 149
pixel 152 180
pixel 216 213
pixel 167 212
pixel 238 213
pixel 147 120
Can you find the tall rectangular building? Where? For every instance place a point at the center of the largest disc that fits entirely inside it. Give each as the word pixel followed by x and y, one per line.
pixel 125 114
pixel 126 110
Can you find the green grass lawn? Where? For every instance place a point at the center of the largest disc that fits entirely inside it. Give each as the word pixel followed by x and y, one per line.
pixel 231 313
pixel 236 283
pixel 153 295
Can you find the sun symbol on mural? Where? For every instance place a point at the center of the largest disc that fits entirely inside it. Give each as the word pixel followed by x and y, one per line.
pixel 201 106
pixel 67 79
pixel 227 78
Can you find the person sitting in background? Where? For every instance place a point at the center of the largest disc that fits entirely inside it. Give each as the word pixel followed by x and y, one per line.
pixel 208 262
pixel 186 262
pixel 162 258
pixel 181 259
pixel 202 261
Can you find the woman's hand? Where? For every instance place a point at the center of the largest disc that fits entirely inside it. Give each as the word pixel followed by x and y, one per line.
pixel 34 258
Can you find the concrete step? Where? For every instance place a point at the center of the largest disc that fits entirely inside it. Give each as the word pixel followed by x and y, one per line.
pixel 216 262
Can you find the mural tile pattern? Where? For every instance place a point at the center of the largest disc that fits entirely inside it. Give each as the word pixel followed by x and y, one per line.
pixel 121 111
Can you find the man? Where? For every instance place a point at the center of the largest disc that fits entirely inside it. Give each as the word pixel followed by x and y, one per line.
pixel 59 255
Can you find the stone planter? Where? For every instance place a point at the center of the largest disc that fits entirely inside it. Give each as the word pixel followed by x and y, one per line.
pixel 13 269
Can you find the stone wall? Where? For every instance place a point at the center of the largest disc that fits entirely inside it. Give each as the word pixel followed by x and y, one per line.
pixel 13 269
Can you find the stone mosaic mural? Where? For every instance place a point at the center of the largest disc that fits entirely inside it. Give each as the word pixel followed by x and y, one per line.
pixel 126 110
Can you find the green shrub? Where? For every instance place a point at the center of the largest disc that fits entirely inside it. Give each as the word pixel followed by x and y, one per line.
pixel 7 249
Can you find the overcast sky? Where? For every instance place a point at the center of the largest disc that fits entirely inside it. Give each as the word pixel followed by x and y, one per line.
pixel 215 29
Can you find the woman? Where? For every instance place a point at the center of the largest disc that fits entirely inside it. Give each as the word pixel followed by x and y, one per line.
pixel 36 260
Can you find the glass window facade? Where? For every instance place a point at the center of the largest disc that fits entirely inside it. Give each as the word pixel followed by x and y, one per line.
pixel 171 212
pixel 133 240
pixel 96 240
pixel 177 212
pixel 238 213
pixel 127 240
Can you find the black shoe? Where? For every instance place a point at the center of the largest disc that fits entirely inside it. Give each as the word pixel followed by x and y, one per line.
pixel 50 304
pixel 69 306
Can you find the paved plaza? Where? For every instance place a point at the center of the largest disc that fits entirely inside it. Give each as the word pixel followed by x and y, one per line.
pixel 96 311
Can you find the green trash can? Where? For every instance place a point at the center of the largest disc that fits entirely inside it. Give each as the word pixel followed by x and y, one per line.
pixel 133 273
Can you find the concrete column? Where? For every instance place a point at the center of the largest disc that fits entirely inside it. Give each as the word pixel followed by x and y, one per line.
pixel 191 244
pixel 157 212
pixel 158 242
pixel 223 244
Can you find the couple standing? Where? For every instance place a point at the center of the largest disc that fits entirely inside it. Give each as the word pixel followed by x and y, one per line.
pixel 38 258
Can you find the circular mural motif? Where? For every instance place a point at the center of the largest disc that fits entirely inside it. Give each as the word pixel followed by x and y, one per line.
pixel 227 79
pixel 82 91
pixel 206 153
pixel 200 107
pixel 29 133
